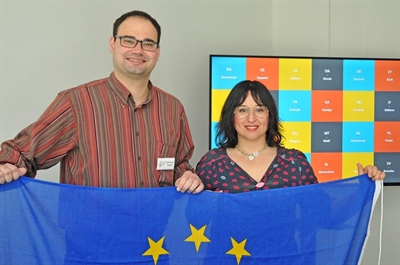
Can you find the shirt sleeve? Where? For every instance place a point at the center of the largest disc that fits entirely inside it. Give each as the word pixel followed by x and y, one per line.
pixel 185 148
pixel 45 142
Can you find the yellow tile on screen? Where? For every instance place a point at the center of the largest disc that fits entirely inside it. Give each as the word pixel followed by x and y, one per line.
pixel 297 135
pixel 218 99
pixel 358 105
pixel 350 161
pixel 295 74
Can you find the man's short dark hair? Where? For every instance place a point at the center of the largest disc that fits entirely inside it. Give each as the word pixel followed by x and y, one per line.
pixel 137 13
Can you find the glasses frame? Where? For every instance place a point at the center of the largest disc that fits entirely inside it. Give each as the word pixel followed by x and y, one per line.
pixel 137 41
pixel 251 110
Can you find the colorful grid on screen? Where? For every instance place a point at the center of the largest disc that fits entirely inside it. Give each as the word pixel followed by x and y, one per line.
pixel 338 111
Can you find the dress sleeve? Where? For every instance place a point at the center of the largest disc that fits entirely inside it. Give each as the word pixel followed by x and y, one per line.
pixel 305 170
pixel 45 142
pixel 204 169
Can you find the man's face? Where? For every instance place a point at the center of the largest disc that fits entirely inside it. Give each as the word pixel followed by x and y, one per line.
pixel 134 62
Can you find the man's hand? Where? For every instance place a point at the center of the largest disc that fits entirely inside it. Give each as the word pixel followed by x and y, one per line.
pixel 373 172
pixel 9 172
pixel 189 182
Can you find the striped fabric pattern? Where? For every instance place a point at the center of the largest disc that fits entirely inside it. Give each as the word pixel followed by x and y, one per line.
pixel 103 139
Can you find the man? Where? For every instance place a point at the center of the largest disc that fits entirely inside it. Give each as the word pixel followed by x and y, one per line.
pixel 120 131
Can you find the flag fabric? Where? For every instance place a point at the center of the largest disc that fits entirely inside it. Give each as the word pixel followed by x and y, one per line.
pixel 49 223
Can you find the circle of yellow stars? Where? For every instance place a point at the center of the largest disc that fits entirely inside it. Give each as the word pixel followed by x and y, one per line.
pixel 197 237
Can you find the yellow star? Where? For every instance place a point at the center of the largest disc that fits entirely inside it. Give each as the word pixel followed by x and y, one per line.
pixel 238 250
pixel 155 249
pixel 197 236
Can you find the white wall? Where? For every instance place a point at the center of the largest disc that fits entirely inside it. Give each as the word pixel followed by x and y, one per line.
pixel 50 46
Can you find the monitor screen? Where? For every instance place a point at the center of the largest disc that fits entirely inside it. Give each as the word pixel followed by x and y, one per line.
pixel 337 111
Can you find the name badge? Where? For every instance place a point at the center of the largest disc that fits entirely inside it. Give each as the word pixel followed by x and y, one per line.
pixel 166 163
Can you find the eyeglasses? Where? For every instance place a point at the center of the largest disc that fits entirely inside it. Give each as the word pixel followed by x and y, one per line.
pixel 130 42
pixel 243 112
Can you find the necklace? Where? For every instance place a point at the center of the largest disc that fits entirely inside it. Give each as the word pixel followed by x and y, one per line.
pixel 253 155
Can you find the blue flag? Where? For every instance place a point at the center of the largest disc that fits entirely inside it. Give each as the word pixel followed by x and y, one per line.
pixel 49 223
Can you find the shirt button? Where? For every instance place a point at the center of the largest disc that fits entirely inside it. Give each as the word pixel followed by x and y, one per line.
pixel 141 184
pixel 139 158
pixel 137 133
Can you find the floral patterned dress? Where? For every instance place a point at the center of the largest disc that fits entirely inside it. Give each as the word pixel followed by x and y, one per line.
pixel 288 169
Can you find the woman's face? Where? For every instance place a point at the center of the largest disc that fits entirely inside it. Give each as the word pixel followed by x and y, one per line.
pixel 251 120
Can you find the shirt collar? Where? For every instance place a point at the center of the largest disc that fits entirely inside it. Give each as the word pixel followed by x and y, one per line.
pixel 123 93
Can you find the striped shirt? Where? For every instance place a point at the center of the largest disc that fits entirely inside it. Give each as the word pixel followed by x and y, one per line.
pixel 103 139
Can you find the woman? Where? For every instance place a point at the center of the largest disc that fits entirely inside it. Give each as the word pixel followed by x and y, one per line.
pixel 251 155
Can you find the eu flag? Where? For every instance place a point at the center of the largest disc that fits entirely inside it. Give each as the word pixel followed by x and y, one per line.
pixel 49 223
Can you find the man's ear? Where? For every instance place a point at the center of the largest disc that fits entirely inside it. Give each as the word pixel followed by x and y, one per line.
pixel 158 52
pixel 112 43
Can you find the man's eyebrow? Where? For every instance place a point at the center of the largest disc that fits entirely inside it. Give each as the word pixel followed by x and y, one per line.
pixel 133 37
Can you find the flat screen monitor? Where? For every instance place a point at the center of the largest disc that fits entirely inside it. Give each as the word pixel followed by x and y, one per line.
pixel 337 111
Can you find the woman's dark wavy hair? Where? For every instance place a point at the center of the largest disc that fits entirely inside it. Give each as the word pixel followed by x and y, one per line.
pixel 226 135
pixel 137 13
